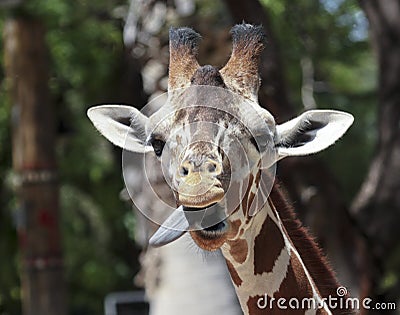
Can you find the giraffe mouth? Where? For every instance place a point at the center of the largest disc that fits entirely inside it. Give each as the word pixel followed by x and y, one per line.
pixel 196 201
pixel 208 219
pixel 211 238
pixel 212 230
pixel 215 230
pixel 207 227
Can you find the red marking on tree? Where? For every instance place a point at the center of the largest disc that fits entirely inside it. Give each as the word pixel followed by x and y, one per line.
pixel 46 218
pixel 22 238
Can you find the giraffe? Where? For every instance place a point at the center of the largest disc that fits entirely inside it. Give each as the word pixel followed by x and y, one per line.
pixel 217 146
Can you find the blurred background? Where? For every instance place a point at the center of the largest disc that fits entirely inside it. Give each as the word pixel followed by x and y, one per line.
pixel 67 236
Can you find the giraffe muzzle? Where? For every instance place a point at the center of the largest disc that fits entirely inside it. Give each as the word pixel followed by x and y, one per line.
pixel 199 186
pixel 192 199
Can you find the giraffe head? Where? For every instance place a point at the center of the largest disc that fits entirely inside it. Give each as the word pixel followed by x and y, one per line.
pixel 215 144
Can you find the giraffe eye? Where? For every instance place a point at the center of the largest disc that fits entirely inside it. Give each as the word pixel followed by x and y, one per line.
pixel 158 146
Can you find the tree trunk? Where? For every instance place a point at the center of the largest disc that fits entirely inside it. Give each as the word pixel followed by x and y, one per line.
pixel 33 147
pixel 377 205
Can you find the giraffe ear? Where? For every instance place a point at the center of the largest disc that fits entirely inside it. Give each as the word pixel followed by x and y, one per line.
pixel 123 125
pixel 311 132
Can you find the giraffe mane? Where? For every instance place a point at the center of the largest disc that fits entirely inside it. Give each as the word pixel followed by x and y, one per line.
pixel 311 254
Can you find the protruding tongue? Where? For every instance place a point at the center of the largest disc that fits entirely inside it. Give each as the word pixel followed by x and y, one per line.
pixel 173 227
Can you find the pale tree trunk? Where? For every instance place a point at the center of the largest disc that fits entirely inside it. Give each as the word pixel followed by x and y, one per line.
pixel 179 278
pixel 33 141
pixel 377 205
pixel 189 281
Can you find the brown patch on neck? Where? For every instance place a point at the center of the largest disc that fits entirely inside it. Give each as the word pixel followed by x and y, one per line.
pixel 310 253
pixel 248 197
pixel 254 309
pixel 238 250
pixel 252 204
pixel 296 283
pixel 267 247
pixel 233 229
pixel 234 275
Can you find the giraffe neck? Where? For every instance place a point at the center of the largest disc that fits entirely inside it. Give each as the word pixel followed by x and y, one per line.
pixel 265 263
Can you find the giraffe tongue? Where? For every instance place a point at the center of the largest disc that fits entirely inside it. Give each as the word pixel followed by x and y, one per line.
pixel 173 227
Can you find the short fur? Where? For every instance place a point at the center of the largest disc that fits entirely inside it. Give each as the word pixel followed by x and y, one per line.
pixel 207 75
pixel 242 68
pixel 183 48
pixel 311 254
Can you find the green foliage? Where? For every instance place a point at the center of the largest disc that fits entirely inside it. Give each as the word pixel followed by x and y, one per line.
pixel 333 35
pixel 86 49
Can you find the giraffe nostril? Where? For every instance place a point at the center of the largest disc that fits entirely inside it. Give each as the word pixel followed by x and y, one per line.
pixel 212 167
pixel 184 171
